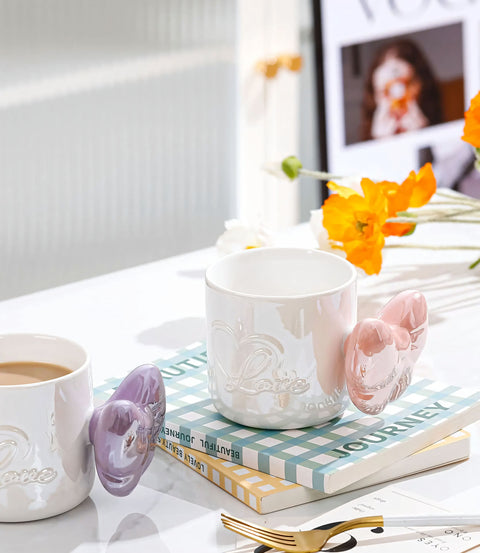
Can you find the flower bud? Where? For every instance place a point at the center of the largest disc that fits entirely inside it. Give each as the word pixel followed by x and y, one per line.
pixel 291 165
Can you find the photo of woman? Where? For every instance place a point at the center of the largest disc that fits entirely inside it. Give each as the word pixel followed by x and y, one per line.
pixel 401 92
pixel 403 83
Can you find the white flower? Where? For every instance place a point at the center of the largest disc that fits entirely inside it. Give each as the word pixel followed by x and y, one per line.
pixel 321 234
pixel 240 235
pixel 275 169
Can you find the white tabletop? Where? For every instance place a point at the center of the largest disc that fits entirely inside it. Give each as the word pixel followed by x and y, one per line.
pixel 137 315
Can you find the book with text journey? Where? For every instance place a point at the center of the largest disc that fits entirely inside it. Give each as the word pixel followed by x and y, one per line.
pixel 265 493
pixel 326 458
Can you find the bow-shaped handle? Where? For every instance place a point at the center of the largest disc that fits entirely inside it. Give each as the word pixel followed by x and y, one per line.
pixel 380 352
pixel 125 428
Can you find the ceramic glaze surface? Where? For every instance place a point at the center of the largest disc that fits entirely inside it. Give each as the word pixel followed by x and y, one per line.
pixel 381 352
pixel 125 429
pixel 46 462
pixel 47 430
pixel 277 361
pixel 186 508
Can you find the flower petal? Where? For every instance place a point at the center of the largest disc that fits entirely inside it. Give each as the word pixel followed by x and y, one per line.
pixel 471 130
pixel 356 222
pixel 366 254
pixel 338 216
pixel 321 234
pixel 376 201
pixel 424 185
pixel 398 196
pixel 343 191
pixel 397 229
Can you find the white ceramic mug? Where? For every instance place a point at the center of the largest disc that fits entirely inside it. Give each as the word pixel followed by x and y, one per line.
pixel 276 322
pixel 46 461
pixel 49 430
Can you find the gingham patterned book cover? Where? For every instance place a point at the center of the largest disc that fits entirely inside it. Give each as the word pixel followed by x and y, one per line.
pixel 265 493
pixel 327 457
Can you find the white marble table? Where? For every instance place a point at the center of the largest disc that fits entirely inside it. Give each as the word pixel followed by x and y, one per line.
pixel 137 315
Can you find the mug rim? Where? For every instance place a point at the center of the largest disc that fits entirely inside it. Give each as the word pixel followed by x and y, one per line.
pixel 84 366
pixel 273 297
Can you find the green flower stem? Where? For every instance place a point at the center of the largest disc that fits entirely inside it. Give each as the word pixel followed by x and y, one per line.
pixel 320 175
pixel 439 215
pixel 417 221
pixel 456 199
pixel 429 247
pixel 462 212
pixel 474 264
pixel 455 202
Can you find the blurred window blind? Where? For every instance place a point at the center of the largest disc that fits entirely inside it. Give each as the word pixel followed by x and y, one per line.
pixel 117 138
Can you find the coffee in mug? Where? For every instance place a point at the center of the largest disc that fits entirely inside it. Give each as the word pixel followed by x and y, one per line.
pixel 29 372
pixel 51 437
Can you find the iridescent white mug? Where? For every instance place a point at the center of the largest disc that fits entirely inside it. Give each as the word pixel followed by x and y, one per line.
pixel 282 339
pixel 51 437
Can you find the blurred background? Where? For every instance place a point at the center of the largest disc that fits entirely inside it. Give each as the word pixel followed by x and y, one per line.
pixel 130 131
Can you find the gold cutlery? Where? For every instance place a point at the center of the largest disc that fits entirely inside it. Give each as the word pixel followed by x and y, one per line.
pixel 314 540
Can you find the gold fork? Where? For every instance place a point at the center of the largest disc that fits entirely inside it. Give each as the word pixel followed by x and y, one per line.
pixel 314 540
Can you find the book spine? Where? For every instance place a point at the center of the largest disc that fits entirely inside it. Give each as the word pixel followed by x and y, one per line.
pixel 265 493
pixel 200 463
pixel 198 441
pixel 187 458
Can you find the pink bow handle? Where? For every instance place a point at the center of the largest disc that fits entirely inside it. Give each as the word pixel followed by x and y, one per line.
pixel 380 352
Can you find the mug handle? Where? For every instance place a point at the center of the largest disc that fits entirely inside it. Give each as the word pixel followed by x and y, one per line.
pixel 124 430
pixel 380 352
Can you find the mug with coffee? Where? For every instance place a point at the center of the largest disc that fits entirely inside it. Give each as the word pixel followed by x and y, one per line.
pixel 29 372
pixel 284 350
pixel 50 435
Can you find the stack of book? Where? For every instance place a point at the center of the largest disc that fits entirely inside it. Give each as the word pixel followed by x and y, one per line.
pixel 265 493
pixel 272 469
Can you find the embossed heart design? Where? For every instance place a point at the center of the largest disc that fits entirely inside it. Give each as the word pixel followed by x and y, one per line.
pixel 8 450
pixel 13 441
pixel 244 360
pixel 125 429
pixel 380 352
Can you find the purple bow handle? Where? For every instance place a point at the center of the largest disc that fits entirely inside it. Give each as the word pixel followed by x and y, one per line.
pixel 124 430
pixel 380 352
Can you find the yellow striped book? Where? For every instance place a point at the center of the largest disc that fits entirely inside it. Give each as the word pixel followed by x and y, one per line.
pixel 265 493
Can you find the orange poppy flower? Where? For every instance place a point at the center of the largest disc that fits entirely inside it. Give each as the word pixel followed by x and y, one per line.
pixel 424 185
pixel 356 223
pixel 398 198
pixel 415 191
pixel 471 130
